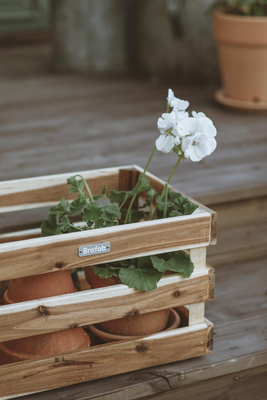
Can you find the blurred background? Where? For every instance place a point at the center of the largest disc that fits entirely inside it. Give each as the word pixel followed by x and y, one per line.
pixel 83 83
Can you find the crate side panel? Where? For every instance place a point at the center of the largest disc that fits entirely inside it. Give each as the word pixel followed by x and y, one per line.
pixel 42 255
pixel 92 306
pixel 37 192
pixel 102 361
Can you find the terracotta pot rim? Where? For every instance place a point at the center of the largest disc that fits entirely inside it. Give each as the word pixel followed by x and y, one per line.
pixel 240 18
pixel 112 337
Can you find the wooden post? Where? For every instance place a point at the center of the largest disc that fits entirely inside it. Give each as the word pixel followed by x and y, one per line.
pixel 197 311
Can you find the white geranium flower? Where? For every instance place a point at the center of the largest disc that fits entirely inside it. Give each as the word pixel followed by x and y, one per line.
pixel 198 146
pixel 168 121
pixel 188 127
pixel 170 97
pixel 165 143
pixel 207 125
pixel 177 104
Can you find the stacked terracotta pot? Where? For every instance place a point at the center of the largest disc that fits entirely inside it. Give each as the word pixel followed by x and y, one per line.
pixel 37 287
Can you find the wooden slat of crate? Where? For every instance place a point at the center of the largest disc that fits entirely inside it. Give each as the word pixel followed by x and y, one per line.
pixel 42 255
pixel 22 194
pixel 92 306
pixel 104 360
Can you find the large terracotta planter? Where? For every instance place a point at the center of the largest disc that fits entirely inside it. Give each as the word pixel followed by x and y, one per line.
pixel 35 287
pixel 136 325
pixel 242 44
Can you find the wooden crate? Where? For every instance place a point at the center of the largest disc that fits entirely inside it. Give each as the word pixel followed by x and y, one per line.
pixel 25 253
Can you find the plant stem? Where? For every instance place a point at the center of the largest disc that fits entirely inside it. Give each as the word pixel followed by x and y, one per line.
pixel 124 200
pixel 174 168
pixel 164 191
pixel 165 200
pixel 149 160
pixel 87 187
pixel 143 173
pixel 76 227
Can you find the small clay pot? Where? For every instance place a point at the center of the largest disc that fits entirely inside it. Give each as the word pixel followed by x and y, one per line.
pixel 32 288
pixel 173 323
pixel 137 325
pixel 96 282
pixel 39 287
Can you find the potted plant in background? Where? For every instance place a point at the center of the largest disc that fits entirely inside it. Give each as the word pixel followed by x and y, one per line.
pixel 240 29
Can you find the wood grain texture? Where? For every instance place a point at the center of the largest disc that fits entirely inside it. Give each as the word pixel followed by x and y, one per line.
pixel 47 190
pixel 92 306
pixel 41 255
pixel 245 385
pixel 102 361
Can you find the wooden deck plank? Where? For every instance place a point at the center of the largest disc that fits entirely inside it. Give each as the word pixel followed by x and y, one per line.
pixel 86 123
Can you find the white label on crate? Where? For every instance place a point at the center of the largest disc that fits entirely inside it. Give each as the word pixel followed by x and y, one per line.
pixel 93 249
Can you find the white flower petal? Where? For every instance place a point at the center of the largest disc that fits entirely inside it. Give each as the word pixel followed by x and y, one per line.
pixel 211 145
pixel 208 130
pixel 198 115
pixel 180 105
pixel 187 126
pixel 165 143
pixel 170 96
pixel 201 150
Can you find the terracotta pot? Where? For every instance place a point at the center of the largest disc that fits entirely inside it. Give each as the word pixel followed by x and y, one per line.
pixel 173 323
pixel 242 43
pixel 137 325
pixel 97 282
pixel 35 287
pixel 39 287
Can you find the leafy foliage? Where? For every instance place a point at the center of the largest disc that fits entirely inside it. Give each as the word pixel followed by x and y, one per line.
pixel 101 211
pixel 242 7
pixel 177 205
pixel 143 273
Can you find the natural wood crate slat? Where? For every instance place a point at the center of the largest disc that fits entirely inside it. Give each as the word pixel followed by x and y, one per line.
pixel 89 307
pixel 104 360
pixel 47 190
pixel 41 255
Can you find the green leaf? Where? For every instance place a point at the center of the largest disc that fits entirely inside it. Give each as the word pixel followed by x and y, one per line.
pixel 78 205
pixel 151 195
pixel 75 185
pixel 61 209
pixel 64 225
pixel 189 208
pixel 112 209
pixel 143 262
pixel 142 185
pixel 49 226
pixel 143 279
pixel 180 263
pixel 104 191
pixel 176 213
pixel 93 214
pixel 116 196
pixel 105 271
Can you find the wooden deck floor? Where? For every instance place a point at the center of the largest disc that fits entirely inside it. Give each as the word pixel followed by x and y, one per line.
pixel 51 123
